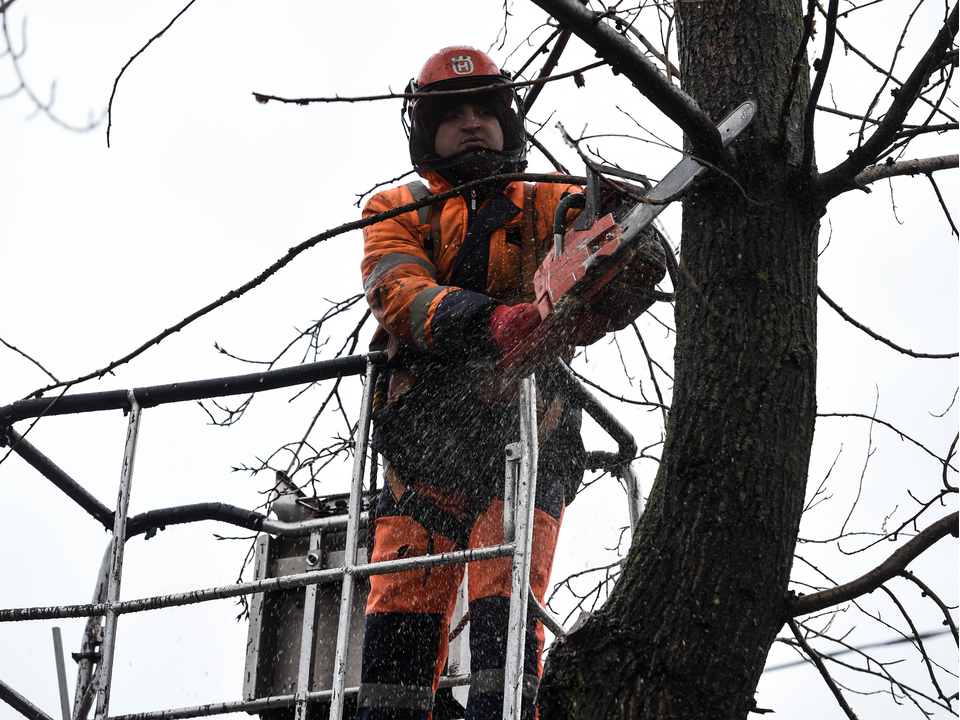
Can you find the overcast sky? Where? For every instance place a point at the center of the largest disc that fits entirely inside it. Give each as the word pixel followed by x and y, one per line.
pixel 202 188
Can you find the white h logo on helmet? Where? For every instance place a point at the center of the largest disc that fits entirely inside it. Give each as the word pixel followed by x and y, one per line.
pixel 462 65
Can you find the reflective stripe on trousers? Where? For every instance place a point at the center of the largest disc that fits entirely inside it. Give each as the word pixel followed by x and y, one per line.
pixel 408 617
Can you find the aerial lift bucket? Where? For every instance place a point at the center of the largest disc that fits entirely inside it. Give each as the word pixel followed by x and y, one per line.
pixel 286 622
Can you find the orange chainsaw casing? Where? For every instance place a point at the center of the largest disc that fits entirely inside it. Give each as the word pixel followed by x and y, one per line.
pixel 596 285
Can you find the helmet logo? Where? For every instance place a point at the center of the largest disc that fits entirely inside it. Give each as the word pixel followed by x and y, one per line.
pixel 462 65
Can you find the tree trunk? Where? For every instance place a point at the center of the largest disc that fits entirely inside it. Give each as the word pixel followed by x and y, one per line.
pixel 702 594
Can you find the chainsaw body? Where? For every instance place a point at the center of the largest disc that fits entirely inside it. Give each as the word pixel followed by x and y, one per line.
pixel 596 284
pixel 601 278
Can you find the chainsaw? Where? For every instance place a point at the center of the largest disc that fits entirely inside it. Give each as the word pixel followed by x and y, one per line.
pixel 602 272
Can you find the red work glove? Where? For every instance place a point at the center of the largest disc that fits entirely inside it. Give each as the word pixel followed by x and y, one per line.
pixel 509 324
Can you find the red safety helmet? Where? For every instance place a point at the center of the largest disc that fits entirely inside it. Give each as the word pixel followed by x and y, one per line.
pixel 458 68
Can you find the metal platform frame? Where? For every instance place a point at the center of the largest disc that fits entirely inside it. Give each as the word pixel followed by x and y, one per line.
pixel 95 670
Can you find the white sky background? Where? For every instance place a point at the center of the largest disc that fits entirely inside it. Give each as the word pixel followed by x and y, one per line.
pixel 203 188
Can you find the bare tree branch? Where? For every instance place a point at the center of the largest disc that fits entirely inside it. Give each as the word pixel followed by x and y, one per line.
pixel 920 166
pixel 943 205
pixel 263 99
pixel 824 673
pixel 947 617
pixel 35 362
pixel 842 178
pixel 875 336
pixel 891 567
pixel 545 71
pixel 821 65
pixel 45 107
pixel 292 253
pixel 624 57
pixel 134 57
pixel 903 436
pixel 672 71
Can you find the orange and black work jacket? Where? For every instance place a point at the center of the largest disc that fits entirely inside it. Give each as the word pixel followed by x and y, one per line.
pixel 432 283
pixel 412 285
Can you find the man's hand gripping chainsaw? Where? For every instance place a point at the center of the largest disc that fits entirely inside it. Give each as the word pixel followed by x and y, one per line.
pixel 601 273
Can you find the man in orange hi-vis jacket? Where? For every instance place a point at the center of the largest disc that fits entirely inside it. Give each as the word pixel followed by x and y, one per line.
pixel 451 286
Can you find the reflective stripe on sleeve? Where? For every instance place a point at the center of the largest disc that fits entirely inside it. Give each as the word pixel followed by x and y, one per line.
pixel 419 309
pixel 403 697
pixel 392 260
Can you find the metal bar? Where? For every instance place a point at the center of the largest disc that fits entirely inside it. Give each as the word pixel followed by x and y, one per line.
pixel 547 618
pixel 595 409
pixel 19 703
pixel 89 655
pixel 105 670
pixel 61 673
pixel 305 527
pixel 520 586
pixel 279 583
pixel 305 669
pixel 350 554
pixel 512 454
pixel 251 706
pixel 46 467
pixel 154 395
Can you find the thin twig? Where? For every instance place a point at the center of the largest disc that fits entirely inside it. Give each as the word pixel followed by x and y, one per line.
pixel 824 673
pixel 263 98
pixel 875 336
pixel 35 362
pixel 134 57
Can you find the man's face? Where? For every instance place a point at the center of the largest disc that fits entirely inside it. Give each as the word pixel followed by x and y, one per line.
pixel 468 124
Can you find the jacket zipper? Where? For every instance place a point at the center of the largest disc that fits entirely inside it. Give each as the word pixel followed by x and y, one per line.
pixel 471 212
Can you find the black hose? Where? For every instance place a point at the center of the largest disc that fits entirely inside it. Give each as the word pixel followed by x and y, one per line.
pixel 154 520
pixel 191 390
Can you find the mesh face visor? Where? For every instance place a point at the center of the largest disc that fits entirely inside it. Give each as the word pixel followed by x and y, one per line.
pixel 425 114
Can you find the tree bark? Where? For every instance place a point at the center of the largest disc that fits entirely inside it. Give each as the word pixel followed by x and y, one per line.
pixel 703 590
